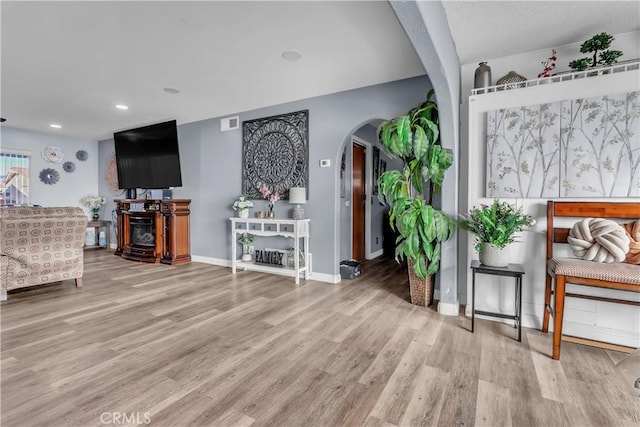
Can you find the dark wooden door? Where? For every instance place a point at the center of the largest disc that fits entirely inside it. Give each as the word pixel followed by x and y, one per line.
pixel 358 197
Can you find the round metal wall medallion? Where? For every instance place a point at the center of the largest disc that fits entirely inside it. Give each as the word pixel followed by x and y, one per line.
pixel 69 167
pixel 49 176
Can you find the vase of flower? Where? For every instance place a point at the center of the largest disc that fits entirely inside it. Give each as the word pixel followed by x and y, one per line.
pixel 271 197
pixel 246 240
pixel 242 205
pixel 94 203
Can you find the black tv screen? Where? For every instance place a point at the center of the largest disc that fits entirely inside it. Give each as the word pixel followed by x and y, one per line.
pixel 148 157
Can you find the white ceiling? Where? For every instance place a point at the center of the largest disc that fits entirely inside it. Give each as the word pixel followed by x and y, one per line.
pixel 492 29
pixel 71 62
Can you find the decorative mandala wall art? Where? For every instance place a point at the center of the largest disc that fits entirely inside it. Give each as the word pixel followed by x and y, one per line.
pixel 69 167
pixel 275 153
pixel 52 154
pixel 49 176
pixel 82 155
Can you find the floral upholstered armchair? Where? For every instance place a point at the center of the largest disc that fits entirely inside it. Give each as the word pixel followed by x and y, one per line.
pixel 40 245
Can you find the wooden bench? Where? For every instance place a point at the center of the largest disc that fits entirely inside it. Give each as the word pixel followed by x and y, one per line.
pixel 621 276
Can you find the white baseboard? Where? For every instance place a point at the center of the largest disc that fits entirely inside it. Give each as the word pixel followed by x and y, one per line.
pixel 327 278
pixel 319 277
pixel 375 254
pixel 448 309
pixel 210 260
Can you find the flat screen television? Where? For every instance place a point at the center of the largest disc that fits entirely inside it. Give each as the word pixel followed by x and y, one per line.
pixel 148 157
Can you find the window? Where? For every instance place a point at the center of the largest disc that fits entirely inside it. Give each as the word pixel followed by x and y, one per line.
pixel 14 177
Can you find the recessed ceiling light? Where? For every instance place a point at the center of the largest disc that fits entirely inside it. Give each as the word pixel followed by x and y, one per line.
pixel 171 90
pixel 291 55
pixel 55 126
pixel 122 107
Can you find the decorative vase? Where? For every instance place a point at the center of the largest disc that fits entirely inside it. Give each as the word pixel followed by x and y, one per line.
pixel 246 257
pixel 493 256
pixel 270 214
pixel 243 213
pixel 421 290
pixel 482 76
pixel 512 80
pixel 95 214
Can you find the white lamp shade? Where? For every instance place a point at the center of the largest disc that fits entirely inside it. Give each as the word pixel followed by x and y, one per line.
pixel 297 195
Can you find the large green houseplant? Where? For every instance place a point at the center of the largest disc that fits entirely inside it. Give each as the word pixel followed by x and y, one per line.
pixel 415 139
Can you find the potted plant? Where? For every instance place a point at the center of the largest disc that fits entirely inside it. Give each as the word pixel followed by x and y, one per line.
pixel 246 240
pixel 242 205
pixel 495 226
pixel 598 44
pixel 415 139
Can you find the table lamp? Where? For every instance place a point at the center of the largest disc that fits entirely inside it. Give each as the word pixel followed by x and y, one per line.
pixel 298 196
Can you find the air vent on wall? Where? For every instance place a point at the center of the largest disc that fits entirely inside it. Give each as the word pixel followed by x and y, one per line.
pixel 229 123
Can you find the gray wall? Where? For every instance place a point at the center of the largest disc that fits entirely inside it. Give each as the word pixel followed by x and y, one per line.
pixel 71 187
pixel 212 165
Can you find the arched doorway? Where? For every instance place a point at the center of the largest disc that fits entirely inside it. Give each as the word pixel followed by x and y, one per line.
pixel 361 161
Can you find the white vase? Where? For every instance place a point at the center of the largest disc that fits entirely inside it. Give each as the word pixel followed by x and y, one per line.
pixel 246 257
pixel 493 256
pixel 243 213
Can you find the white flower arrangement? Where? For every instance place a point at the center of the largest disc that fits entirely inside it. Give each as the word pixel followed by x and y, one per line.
pixel 93 202
pixel 242 203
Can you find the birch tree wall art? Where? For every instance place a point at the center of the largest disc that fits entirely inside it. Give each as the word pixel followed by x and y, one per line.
pixel 600 141
pixel 575 148
pixel 523 154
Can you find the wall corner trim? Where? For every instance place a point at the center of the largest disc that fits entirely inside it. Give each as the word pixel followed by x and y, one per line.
pixel 448 309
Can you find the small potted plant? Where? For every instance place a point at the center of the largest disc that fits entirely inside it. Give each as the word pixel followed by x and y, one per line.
pixel 598 47
pixel 246 240
pixel 494 226
pixel 242 205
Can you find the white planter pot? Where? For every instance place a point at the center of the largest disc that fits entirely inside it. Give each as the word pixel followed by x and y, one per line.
pixel 243 213
pixel 492 256
pixel 246 257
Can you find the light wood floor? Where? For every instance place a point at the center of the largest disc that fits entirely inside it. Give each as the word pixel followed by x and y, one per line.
pixel 194 345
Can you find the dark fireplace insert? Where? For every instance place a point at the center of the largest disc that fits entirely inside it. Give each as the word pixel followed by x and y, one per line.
pixel 142 231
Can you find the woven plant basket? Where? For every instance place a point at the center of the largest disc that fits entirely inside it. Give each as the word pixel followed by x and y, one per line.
pixel 421 290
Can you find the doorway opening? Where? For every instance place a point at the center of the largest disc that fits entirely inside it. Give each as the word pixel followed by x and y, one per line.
pixel 358 199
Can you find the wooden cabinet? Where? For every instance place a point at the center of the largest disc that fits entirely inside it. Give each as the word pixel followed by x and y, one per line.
pixel 151 230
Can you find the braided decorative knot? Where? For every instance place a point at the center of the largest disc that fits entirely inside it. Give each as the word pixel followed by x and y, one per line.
pixel 599 240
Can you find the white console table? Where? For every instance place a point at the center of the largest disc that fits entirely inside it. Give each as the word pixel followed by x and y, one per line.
pixel 267 227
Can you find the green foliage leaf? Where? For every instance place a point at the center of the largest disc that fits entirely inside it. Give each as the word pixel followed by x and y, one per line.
pixel 496 224
pixel 414 138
